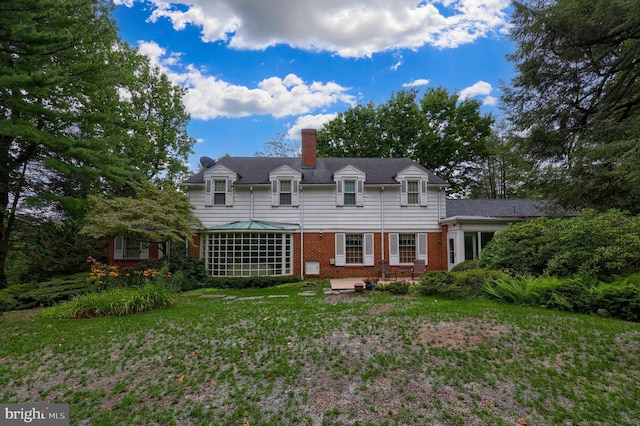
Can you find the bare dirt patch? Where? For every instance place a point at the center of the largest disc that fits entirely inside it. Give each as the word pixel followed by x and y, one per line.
pixel 466 333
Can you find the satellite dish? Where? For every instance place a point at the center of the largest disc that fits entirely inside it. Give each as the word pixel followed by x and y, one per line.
pixel 207 162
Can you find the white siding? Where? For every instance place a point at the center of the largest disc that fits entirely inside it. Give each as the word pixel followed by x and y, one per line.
pixel 320 210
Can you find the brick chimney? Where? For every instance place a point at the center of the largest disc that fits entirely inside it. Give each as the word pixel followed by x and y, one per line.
pixel 309 147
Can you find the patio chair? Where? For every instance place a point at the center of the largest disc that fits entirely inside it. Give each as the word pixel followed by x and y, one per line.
pixel 386 271
pixel 419 268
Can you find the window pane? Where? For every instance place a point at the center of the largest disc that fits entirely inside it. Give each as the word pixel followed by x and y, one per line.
pixel 285 199
pixel 412 192
pixel 220 186
pixel 349 186
pixel 219 198
pixel 353 243
pixel 407 248
pixel 131 248
pixel 285 186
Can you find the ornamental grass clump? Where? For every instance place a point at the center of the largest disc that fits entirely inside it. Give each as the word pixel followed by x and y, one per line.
pixel 115 302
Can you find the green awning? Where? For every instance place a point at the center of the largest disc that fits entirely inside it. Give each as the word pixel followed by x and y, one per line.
pixel 246 225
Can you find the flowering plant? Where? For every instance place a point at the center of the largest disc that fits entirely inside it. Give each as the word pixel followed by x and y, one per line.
pixel 370 280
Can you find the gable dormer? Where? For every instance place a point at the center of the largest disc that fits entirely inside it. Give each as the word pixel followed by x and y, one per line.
pixel 285 186
pixel 218 186
pixel 414 181
pixel 349 186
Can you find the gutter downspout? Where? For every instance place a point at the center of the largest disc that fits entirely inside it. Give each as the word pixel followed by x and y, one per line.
pixel 382 221
pixel 251 205
pixel 301 233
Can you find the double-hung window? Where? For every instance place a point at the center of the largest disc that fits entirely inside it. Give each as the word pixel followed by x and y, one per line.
pixel 219 192
pixel 354 249
pixel 130 248
pixel 285 192
pixel 413 195
pixel 349 192
pixel 405 248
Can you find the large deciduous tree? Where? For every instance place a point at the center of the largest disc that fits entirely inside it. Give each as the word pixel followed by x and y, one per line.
pixel 154 214
pixel 440 131
pixel 80 112
pixel 576 99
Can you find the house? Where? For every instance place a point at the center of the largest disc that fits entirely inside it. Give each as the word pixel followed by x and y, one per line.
pixel 330 217
pixel 470 224
pixel 311 216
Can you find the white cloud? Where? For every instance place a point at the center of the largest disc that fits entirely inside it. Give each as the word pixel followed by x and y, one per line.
pixel 308 122
pixel 350 28
pixel 416 83
pixel 208 97
pixel 479 88
pixel 490 101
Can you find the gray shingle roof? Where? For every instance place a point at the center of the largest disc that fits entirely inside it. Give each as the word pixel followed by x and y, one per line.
pixel 255 170
pixel 497 208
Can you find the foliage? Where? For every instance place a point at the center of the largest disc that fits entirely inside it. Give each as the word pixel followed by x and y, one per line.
pixel 248 282
pixel 7 302
pixel 54 248
pixel 155 215
pixel 465 266
pixel 575 99
pixel 46 293
pixel 440 131
pixel 394 287
pixel 115 302
pixel 619 298
pixel 82 112
pixel 589 244
pixel 457 285
pixel 280 148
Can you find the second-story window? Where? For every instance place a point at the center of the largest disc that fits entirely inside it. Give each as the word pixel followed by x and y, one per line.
pixel 413 196
pixel 285 192
pixel 219 192
pixel 349 192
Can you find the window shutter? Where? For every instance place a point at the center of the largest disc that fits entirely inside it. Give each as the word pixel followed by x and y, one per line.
pixel 341 259
pixel 394 251
pixel 118 248
pixel 295 193
pixel 339 194
pixel 228 199
pixel 423 192
pixel 403 193
pixel 368 249
pixel 144 250
pixel 208 192
pixel 421 247
pixel 359 193
pixel 275 194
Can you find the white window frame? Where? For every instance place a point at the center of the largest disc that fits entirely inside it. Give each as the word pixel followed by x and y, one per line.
pixel 358 187
pixel 368 253
pixel 119 249
pixel 276 191
pixel 422 191
pixel 394 248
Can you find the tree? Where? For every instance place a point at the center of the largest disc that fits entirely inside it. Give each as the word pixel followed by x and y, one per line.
pixel 81 112
pixel 441 132
pixel 154 214
pixel 576 99
pixel 279 148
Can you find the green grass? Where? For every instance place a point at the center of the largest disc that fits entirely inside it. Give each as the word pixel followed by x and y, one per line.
pixel 368 359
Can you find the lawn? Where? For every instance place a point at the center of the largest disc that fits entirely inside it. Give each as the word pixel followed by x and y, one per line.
pixel 242 357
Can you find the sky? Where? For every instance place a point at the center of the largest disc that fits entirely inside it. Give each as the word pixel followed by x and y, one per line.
pixel 260 70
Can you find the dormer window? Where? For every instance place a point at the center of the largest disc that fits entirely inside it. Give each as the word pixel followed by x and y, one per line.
pixel 349 193
pixel 285 192
pixel 285 186
pixel 413 196
pixel 219 192
pixel 413 192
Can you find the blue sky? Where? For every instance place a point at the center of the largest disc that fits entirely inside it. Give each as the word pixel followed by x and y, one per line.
pixel 258 69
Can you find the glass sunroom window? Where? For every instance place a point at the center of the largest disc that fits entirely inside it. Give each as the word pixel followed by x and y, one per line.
pixel 249 254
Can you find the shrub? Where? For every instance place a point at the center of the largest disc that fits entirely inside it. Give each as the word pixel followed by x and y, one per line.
pixel 7 302
pixel 398 287
pixel 457 285
pixel 465 266
pixel 435 282
pixel 249 282
pixel 590 244
pixel 47 293
pixel 115 302
pixel 621 300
